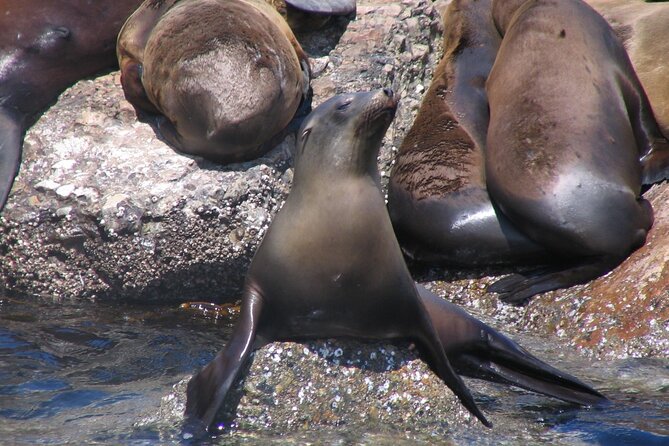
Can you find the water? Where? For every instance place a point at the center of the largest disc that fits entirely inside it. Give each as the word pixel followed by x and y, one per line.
pixel 90 373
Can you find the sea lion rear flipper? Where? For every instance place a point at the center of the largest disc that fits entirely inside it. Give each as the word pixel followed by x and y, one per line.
pixel 478 351
pixel 329 7
pixel 207 390
pixel 516 289
pixel 11 139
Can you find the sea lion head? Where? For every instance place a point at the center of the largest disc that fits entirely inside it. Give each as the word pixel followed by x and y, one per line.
pixel 345 132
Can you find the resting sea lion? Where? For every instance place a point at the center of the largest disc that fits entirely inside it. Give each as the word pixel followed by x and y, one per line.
pixel 437 195
pixel 438 201
pixel 307 15
pixel 217 78
pixel 45 47
pixel 644 29
pixel 330 266
pixel 571 140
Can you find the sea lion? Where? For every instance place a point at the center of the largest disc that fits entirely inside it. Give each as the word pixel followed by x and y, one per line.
pixel 308 15
pixel 644 30
pixel 571 140
pixel 437 196
pixel 216 78
pixel 45 47
pixel 330 266
pixel 457 157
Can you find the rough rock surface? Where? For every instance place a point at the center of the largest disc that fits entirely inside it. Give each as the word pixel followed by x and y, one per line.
pixel 104 210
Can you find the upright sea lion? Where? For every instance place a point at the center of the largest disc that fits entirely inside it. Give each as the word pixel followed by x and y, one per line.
pixel 571 139
pixel 330 266
pixel 217 78
pixel 46 46
pixel 443 214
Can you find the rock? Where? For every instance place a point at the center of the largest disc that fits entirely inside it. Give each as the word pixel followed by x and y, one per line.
pixel 104 210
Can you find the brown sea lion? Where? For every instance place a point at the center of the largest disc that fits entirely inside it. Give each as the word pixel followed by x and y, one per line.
pixel 217 78
pixel 644 29
pixel 571 140
pixel 330 266
pixel 45 47
pixel 437 198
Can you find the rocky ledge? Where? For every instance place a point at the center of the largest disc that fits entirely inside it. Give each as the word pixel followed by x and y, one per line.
pixel 103 210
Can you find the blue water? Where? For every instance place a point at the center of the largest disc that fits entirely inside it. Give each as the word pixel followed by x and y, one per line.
pixel 90 373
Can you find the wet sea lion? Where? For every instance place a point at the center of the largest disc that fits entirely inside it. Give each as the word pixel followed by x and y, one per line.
pixel 437 195
pixel 216 78
pixel 330 266
pixel 45 47
pixel 456 156
pixel 571 140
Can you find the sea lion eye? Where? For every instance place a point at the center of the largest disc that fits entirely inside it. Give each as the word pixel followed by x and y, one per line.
pixel 305 133
pixel 345 105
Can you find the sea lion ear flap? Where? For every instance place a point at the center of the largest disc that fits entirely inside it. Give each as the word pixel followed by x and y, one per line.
pixel 302 139
pixel 306 76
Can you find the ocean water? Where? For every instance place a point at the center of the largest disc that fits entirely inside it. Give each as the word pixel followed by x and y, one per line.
pixel 91 373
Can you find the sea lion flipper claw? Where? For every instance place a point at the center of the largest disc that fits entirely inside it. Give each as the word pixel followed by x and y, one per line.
pixel 478 351
pixel 11 138
pixel 207 390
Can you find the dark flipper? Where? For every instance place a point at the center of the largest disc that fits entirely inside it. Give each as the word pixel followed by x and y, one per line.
pixel 207 390
pixel 327 7
pixel 655 164
pixel 440 364
pixel 478 351
pixel 516 289
pixel 11 140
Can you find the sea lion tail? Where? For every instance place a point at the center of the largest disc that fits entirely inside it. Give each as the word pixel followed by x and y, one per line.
pixel 11 140
pixel 207 390
pixel 478 351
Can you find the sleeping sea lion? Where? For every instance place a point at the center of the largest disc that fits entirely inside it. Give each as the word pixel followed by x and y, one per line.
pixel 217 78
pixel 330 266
pixel 437 196
pixel 643 28
pixel 45 47
pixel 571 139
pixel 456 156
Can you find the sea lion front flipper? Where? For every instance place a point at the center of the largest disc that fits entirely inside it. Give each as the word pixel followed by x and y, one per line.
pixel 440 364
pixel 11 139
pixel 329 7
pixel 207 390
pixel 655 163
pixel 478 351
